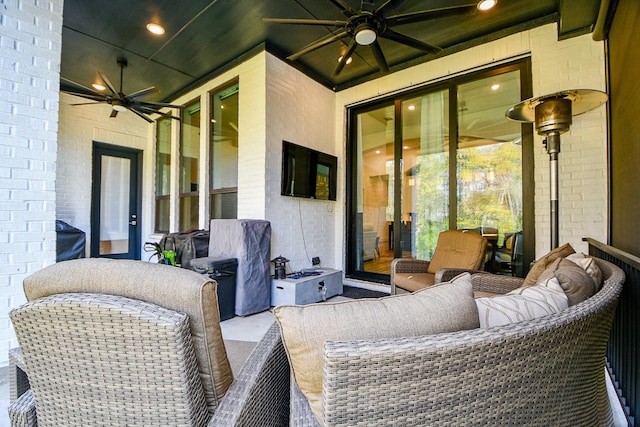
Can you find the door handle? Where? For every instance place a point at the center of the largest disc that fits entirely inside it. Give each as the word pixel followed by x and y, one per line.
pixel 134 219
pixel 134 222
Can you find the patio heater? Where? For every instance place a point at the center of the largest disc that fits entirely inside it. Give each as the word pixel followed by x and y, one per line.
pixel 552 116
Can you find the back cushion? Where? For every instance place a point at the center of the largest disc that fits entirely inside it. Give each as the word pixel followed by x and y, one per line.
pixel 541 265
pixel 457 249
pixel 445 307
pixel 173 288
pixel 575 281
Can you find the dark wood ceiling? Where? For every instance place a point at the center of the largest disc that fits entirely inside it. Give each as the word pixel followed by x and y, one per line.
pixel 205 37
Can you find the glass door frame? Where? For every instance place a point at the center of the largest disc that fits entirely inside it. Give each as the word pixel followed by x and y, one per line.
pixel 101 149
pixel 528 189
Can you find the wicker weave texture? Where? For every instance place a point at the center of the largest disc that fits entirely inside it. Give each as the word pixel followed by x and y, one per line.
pixel 97 359
pixel 547 371
pixel 259 395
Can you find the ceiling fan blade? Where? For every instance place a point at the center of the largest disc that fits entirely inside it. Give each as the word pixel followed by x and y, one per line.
pixel 367 6
pixel 380 59
pixel 345 57
pixel 323 22
pixel 156 104
pixel 329 38
pixel 139 114
pixel 143 92
pixel 409 41
pixel 146 110
pixel 389 6
pixel 86 103
pixel 97 97
pixel 78 85
pixel 114 113
pixel 430 15
pixel 108 83
pixel 344 8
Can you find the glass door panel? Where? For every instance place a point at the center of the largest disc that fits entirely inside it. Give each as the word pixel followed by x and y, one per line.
pixel 114 205
pixel 425 174
pixel 374 211
pixel 489 163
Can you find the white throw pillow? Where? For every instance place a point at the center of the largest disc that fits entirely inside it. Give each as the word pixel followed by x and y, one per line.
pixel 524 303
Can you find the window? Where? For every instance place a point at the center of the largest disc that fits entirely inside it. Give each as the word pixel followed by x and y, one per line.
pixel 224 154
pixel 163 174
pixel 432 159
pixel 189 167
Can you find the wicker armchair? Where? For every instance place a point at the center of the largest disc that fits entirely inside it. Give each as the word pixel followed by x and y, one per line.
pixel 546 371
pixel 107 342
pixel 455 249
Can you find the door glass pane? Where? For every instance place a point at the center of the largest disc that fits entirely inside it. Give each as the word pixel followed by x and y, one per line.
pixel 163 174
pixel 489 162
pixel 224 153
pixel 425 174
pixel 189 167
pixel 114 205
pixel 374 215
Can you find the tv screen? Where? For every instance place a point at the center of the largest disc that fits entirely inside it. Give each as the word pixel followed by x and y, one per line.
pixel 308 173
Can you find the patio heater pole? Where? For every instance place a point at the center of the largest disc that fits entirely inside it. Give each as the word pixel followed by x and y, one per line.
pixel 552 116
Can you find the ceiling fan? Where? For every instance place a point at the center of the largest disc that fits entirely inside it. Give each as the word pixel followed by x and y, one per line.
pixel 367 25
pixel 118 99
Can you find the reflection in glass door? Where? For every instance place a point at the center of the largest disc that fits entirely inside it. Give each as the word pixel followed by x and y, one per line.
pixel 374 212
pixel 489 166
pixel 425 174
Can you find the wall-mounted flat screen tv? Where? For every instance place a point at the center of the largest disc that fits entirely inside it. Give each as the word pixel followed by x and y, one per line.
pixel 308 173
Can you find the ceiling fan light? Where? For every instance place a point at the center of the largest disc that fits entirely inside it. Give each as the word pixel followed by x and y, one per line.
pixel 365 36
pixel 486 4
pixel 98 87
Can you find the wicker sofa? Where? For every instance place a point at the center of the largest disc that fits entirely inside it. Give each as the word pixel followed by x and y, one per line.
pixel 546 371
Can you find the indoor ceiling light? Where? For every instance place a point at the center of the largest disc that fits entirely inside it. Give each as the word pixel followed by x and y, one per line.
pixel 486 4
pixel 495 87
pixel 349 59
pixel 365 35
pixel 156 29
pixel 98 87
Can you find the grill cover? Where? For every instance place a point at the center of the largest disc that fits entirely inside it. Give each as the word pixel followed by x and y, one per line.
pixel 249 241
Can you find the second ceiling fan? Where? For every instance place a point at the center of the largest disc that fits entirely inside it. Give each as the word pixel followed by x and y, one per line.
pixel 367 25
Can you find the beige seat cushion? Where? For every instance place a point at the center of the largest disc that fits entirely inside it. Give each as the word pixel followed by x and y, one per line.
pixel 541 265
pixel 457 249
pixel 444 307
pixel 413 281
pixel 576 282
pixel 173 288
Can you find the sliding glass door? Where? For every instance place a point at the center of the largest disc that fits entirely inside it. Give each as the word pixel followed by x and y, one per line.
pixel 432 160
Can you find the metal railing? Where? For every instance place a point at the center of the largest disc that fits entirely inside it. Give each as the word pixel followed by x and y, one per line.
pixel 622 357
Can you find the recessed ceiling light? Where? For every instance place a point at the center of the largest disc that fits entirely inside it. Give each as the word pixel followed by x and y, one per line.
pixel 495 87
pixel 156 29
pixel 406 147
pixel 349 59
pixel 98 87
pixel 377 151
pixel 486 4
pixel 411 107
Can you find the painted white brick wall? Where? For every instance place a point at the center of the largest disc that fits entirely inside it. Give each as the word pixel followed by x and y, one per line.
pixel 556 65
pixel 300 110
pixel 29 77
pixel 79 126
